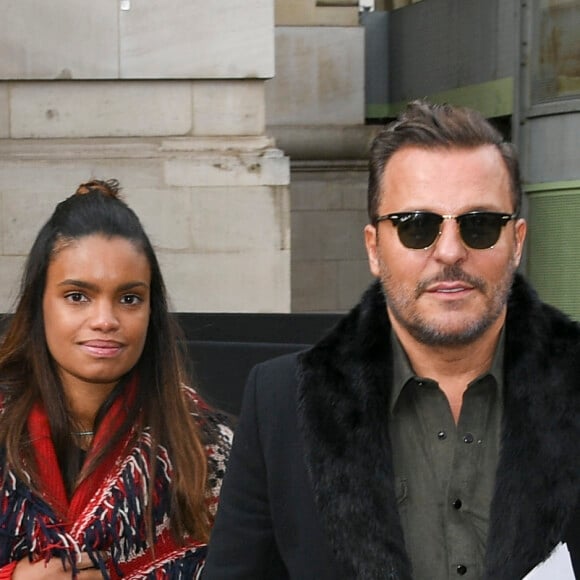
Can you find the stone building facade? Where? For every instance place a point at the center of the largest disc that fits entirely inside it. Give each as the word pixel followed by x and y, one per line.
pixel 169 98
pixel 241 133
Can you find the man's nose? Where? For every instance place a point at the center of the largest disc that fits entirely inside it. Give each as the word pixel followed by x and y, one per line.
pixel 449 247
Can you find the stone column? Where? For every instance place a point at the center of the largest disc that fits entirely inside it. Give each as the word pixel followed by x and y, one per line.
pixel 316 111
pixel 169 99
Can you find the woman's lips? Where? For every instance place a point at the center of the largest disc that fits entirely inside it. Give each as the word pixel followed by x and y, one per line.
pixel 102 348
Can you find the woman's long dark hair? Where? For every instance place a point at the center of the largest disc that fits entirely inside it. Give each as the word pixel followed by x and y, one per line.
pixel 28 373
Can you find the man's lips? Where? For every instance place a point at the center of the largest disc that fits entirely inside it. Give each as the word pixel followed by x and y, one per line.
pixel 102 348
pixel 452 283
pixel 449 288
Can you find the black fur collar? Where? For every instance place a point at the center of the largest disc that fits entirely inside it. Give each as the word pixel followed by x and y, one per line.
pixel 344 384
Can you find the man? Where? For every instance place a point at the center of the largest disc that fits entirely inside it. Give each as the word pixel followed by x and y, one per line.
pixel 435 432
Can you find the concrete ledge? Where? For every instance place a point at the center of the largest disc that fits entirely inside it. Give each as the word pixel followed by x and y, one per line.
pixel 327 142
pixel 131 148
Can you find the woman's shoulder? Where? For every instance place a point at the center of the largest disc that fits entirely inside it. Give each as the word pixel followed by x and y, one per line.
pixel 216 426
pixel 217 436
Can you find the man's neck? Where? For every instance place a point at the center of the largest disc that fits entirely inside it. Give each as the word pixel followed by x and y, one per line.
pixel 453 367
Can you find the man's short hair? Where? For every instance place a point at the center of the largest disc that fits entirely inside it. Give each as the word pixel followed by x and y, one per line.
pixel 429 126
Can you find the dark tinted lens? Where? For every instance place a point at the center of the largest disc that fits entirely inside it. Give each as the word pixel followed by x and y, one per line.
pixel 418 230
pixel 480 230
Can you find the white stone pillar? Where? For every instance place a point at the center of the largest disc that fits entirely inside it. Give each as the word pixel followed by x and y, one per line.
pixel 167 97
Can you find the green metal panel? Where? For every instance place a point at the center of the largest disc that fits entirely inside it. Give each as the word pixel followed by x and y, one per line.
pixel 554 243
pixel 493 99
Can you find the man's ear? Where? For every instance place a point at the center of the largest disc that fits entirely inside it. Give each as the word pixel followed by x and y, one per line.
pixel 520 234
pixel 371 246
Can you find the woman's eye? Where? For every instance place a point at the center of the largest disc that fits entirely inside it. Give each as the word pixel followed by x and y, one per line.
pixel 131 299
pixel 76 297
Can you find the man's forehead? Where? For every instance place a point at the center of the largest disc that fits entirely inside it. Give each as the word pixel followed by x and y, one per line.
pixel 475 176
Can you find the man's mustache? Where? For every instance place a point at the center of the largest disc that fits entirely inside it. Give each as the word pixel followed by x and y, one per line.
pixel 451 274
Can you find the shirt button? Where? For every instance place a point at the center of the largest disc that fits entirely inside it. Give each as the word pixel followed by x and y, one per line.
pixel 461 569
pixel 441 435
pixel 468 438
pixel 457 504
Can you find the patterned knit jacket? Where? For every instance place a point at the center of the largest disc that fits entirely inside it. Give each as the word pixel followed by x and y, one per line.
pixel 106 511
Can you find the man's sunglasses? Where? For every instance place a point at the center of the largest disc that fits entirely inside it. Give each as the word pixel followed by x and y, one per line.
pixel 419 230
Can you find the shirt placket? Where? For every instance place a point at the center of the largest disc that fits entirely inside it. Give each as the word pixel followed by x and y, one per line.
pixel 462 540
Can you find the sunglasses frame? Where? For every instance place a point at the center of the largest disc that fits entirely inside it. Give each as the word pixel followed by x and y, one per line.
pixel 398 217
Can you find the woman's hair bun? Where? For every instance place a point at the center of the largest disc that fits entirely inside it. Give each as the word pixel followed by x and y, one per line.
pixel 110 187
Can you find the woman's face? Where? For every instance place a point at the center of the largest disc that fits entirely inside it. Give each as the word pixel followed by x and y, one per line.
pixel 96 308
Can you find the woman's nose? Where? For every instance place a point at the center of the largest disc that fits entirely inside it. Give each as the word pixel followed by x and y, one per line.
pixel 104 316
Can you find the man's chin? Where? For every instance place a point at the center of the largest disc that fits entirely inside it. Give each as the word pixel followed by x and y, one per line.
pixel 448 334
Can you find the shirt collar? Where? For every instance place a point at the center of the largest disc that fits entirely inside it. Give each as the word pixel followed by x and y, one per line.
pixel 403 372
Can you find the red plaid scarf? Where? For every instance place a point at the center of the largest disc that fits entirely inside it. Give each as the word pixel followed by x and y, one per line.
pixel 106 510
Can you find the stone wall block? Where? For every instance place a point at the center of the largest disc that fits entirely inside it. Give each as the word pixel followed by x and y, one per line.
pixel 237 219
pixel 59 39
pixel 319 77
pixel 354 192
pixel 328 235
pixel 318 193
pixel 136 39
pixel 353 278
pixel 165 215
pixel 314 286
pixel 194 39
pixel 269 168
pixel 328 201
pixel 212 282
pixel 40 176
pixel 23 216
pixel 199 220
pixel 131 173
pixel 4 111
pixel 226 231
pixel 228 107
pixel 100 109
pixel 11 268
pixel 2 228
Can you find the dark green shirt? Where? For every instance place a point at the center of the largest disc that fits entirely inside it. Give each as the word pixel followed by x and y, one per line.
pixel 445 474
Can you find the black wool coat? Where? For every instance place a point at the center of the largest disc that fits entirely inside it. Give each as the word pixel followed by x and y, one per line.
pixel 309 491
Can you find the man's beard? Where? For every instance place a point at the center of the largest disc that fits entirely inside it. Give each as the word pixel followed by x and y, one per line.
pixel 404 310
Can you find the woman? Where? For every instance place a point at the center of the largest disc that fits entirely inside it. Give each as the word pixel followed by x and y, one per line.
pixel 110 467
